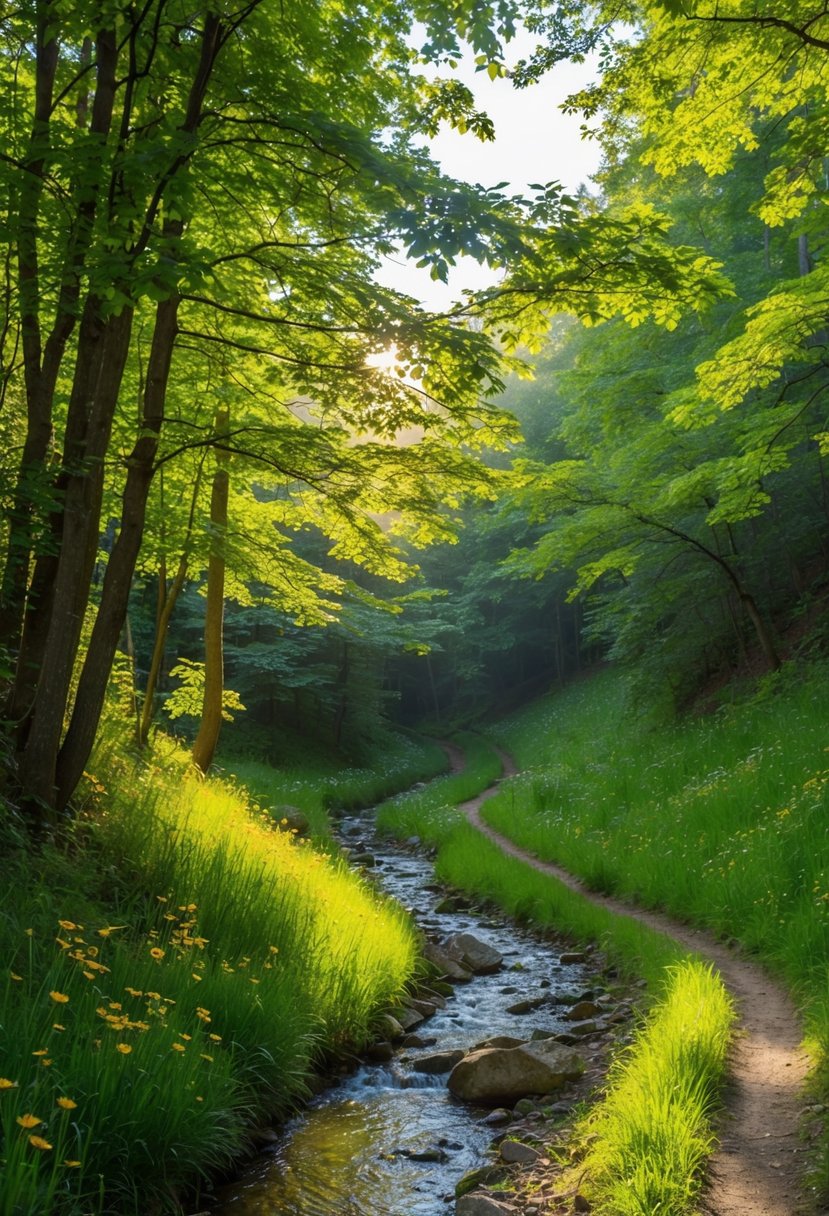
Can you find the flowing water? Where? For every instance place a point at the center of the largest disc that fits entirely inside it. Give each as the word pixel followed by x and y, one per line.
pixel 390 1140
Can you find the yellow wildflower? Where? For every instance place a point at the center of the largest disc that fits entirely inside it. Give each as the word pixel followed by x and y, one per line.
pixel 60 998
pixel 178 1047
pixel 66 1104
pixel 134 991
pixel 44 1051
pixel 28 1121
pixel 17 978
pixel 39 1142
pixel 5 1083
pixel 69 925
pixel 57 1026
pixel 72 1165
pixel 124 1048
pixel 156 952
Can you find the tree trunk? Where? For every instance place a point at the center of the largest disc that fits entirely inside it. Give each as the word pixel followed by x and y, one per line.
pixel 109 621
pixel 207 738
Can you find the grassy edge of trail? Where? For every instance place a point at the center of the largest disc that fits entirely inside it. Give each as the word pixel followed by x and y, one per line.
pixel 651 1135
pixel 172 973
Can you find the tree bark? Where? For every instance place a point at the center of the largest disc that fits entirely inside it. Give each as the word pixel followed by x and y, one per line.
pixel 109 621
pixel 207 738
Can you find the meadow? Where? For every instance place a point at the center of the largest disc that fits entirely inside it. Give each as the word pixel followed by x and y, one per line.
pixel 176 970
pixel 720 818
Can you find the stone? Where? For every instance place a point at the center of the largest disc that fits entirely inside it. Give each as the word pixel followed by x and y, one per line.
pixel 427 1154
pixel 380 1053
pixel 581 1203
pixel 424 1008
pixel 484 1175
pixel 446 965
pixel 419 1040
pixel 572 956
pixel 543 1032
pixel 479 957
pixel 438 1062
pixel 583 1010
pixel 364 859
pixel 480 1205
pixel 500 1040
pixel 291 819
pixel 389 1027
pixel 495 1076
pixel 515 1152
pixel 528 1005
pixel 498 1117
pixel 408 1018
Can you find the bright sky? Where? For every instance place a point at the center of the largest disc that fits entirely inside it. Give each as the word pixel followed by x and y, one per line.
pixel 534 142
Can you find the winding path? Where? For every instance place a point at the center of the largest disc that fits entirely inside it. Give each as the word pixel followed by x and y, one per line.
pixel 758 1167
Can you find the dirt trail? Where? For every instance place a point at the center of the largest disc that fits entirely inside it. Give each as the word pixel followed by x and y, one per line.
pixel 758 1168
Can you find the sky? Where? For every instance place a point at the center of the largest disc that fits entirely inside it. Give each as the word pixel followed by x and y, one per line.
pixel 534 142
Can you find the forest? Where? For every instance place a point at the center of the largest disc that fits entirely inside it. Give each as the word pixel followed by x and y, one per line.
pixel 268 527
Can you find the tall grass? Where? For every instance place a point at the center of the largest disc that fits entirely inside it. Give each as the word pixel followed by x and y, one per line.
pixel 321 785
pixel 149 1022
pixel 425 811
pixel 652 1134
pixel 722 820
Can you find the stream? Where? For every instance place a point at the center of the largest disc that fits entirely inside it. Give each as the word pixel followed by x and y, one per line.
pixel 387 1139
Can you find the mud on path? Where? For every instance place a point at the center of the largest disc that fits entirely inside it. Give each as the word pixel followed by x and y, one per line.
pixel 759 1165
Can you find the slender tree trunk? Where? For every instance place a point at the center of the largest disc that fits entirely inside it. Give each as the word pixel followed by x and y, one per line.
pixel 207 738
pixel 109 621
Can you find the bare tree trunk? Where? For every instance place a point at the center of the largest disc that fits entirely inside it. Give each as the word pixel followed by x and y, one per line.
pixel 207 738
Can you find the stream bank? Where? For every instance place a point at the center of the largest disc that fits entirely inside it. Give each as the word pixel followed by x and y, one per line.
pixel 390 1137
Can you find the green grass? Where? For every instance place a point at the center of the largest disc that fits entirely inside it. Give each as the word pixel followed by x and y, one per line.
pixel 651 1136
pixel 172 975
pixel 320 785
pixel 426 811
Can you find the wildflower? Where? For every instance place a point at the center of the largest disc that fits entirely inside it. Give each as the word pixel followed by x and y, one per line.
pixel 66 1104
pixel 64 945
pixel 28 1121
pixel 17 978
pixel 44 1051
pixel 39 1142
pixel 29 932
pixel 124 1048
pixel 69 925
pixel 71 1165
pixel 57 1026
pixel 188 1037
pixel 178 1047
pixel 5 1083
pixel 60 998
pixel 156 952
pixel 162 899
pixel 46 1063
pixel 154 996
pixel 115 1005
pixel 198 978
pixel 89 975
pixel 134 991
pixel 216 1038
pixel 105 932
pixel 205 1056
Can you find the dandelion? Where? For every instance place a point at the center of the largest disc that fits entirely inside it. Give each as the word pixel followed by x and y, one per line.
pixel 60 998
pixel 29 932
pixel 17 978
pixel 69 925
pixel 44 1051
pixel 90 975
pixel 28 1121
pixel 178 1047
pixel 134 991
pixel 71 1165
pixel 5 1083
pixel 105 932
pixel 39 1142
pixel 57 1026
pixel 124 1048
pixel 66 1104
pixel 156 953
pixel 198 978
pixel 205 1056
pixel 216 1038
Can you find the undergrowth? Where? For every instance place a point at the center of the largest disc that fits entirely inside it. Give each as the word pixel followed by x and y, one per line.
pixel 172 973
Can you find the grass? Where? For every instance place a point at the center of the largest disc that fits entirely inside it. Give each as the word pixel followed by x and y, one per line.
pixel 171 976
pixel 321 785
pixel 650 1138
pixel 652 1134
